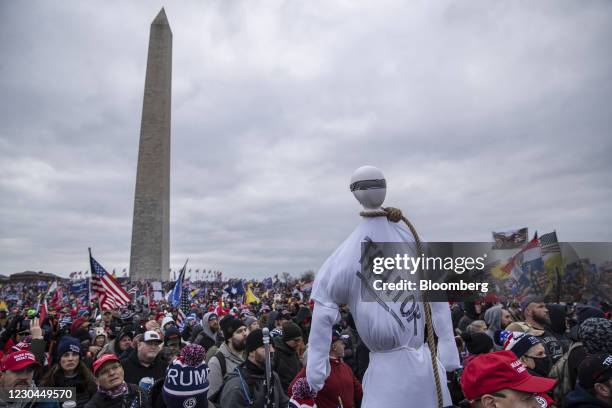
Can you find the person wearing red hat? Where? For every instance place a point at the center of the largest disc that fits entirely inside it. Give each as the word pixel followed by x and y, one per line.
pixel 17 370
pixel 500 380
pixel 113 391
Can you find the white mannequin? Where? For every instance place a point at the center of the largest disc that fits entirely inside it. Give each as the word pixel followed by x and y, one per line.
pixel 370 194
pixel 400 372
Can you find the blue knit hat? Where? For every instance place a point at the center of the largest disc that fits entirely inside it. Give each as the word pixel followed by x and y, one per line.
pixel 186 383
pixel 68 343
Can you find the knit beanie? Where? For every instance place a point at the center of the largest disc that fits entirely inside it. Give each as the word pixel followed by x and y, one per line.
pixel 76 324
pixel 249 320
pixel 186 383
pixel 584 312
pixel 254 340
pixel 596 335
pixel 517 342
pixel 68 343
pixel 229 325
pixel 477 343
pixel 291 331
pixel 301 395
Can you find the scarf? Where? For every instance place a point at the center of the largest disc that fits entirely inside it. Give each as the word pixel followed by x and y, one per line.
pixel 115 391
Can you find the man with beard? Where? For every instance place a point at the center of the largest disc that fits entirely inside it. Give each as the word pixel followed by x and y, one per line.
pixel 17 372
pixel 496 318
pixel 230 353
pixel 537 317
pixel 244 386
pixel 145 360
pixel 207 337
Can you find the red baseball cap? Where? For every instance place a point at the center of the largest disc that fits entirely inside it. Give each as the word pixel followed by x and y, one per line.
pixel 19 360
pixel 492 372
pixel 103 360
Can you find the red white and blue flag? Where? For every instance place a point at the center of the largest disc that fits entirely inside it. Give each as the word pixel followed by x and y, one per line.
pixel 105 287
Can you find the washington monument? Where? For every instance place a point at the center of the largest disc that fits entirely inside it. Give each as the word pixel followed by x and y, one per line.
pixel 149 258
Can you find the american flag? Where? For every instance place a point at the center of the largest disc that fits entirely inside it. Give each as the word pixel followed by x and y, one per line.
pixel 549 243
pixel 184 307
pixel 109 292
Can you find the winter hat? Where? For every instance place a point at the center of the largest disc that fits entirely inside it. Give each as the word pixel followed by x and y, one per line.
pixel 186 383
pixel 596 335
pixel 172 331
pixel 291 331
pixel 76 324
pixel 301 395
pixel 65 321
pixel 99 331
pixel 254 340
pixel 595 369
pixel 519 343
pixel 166 320
pixel 23 345
pixel 229 325
pixel 584 312
pixel 477 343
pixel 68 343
pixel 249 320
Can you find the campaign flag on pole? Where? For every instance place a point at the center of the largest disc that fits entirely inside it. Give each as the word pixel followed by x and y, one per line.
pixel 177 291
pixel 530 256
pixel 105 287
pixel 510 239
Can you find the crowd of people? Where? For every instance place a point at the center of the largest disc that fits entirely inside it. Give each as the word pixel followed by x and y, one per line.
pixel 150 354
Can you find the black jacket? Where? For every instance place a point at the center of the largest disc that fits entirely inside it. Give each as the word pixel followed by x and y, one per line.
pixel 244 387
pixel 580 398
pixel 133 399
pixel 286 362
pixel 134 370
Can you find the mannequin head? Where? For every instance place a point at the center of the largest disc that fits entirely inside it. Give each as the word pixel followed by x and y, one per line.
pixel 369 187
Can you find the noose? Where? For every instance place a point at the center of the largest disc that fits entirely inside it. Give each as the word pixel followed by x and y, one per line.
pixel 395 215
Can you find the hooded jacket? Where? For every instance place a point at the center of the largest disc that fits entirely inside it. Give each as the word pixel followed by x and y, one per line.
pixel 215 376
pixel 286 362
pixel 206 337
pixel 492 318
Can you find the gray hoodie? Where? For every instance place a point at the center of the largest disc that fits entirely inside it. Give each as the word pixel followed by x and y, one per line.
pixel 492 318
pixel 215 377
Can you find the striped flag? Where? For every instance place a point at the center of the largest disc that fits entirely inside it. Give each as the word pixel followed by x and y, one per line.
pixel 549 243
pixel 105 287
pixel 183 309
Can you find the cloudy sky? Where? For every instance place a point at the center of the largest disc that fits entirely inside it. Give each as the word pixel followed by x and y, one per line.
pixel 482 116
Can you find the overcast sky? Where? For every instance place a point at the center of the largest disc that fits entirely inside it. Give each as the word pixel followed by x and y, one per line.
pixel 482 115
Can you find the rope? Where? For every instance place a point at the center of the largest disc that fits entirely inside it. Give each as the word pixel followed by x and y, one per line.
pixel 395 215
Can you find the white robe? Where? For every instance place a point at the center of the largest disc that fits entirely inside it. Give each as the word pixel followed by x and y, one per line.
pixel 400 373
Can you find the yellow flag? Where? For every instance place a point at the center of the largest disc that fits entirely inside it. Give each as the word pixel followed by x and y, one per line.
pixel 250 297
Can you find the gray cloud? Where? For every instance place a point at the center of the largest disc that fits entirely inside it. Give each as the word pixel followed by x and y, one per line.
pixel 481 115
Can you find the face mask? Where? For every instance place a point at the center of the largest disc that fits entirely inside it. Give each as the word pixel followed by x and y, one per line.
pixel 542 366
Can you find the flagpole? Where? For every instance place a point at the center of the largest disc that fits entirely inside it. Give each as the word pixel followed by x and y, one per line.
pixel 89 280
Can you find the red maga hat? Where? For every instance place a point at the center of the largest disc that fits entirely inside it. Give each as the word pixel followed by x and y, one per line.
pixel 103 360
pixel 19 360
pixel 492 372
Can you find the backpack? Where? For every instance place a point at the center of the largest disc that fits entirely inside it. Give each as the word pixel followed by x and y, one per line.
pixel 560 371
pixel 222 363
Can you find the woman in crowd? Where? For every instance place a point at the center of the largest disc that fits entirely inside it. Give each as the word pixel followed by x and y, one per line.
pixel 70 371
